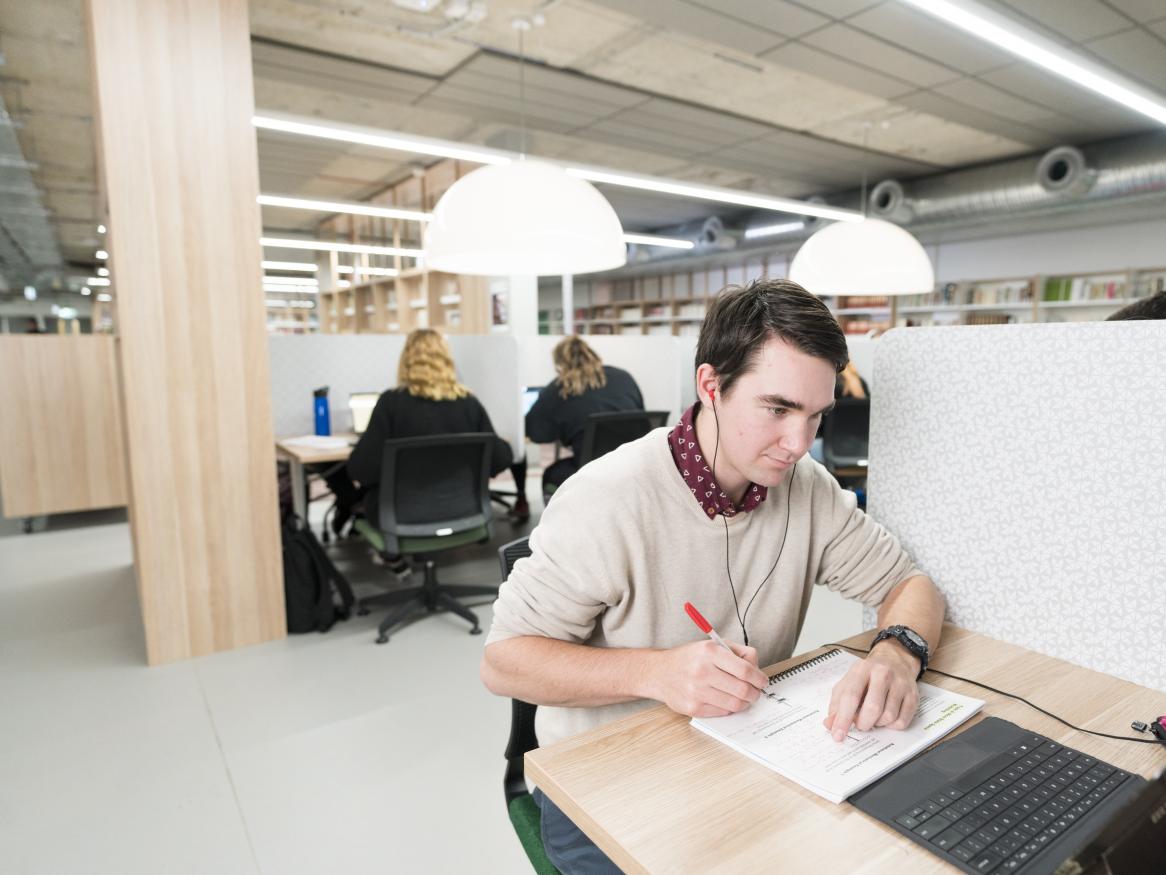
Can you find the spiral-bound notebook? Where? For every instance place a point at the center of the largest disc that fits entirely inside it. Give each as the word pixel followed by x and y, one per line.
pixel 783 729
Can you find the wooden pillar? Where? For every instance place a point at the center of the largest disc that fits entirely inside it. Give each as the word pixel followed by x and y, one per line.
pixel 174 99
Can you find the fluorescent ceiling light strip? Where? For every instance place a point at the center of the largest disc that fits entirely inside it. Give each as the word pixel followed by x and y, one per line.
pixel 446 149
pixel 298 290
pixel 323 246
pixel 367 271
pixel 1011 37
pixel 653 240
pixel 103 297
pixel 300 203
pixel 306 266
pixel 713 193
pixel 771 230
pixel 291 280
pixel 97 281
pixel 382 140
pixel 102 254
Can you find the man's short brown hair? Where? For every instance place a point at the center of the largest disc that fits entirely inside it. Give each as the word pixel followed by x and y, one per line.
pixel 742 319
pixel 1153 307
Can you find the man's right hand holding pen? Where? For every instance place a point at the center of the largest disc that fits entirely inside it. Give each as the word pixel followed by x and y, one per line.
pixel 710 678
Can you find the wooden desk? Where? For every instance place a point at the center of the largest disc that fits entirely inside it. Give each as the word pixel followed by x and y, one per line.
pixel 659 796
pixel 298 456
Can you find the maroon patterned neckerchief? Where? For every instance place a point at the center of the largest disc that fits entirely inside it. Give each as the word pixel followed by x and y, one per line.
pixel 697 472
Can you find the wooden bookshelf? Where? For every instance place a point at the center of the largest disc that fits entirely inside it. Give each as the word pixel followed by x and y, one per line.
pixel 675 303
pixel 361 301
pixel 1040 298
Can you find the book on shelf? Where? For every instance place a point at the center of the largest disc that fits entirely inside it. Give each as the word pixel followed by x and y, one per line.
pixel 694 310
pixel 1057 289
pixel 859 302
pixel 988 319
pixel 688 329
pixel 656 311
pixel 631 314
pixel 660 330
pixel 783 729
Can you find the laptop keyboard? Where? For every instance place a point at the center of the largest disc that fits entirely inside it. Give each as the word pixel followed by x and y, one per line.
pixel 1000 815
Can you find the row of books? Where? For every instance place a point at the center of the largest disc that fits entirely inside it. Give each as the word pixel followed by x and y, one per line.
pixel 1094 288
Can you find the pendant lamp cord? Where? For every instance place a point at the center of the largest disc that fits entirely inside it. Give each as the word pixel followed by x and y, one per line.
pixel 865 135
pixel 522 90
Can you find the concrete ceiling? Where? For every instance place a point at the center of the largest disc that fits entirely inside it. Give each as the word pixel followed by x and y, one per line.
pixel 772 96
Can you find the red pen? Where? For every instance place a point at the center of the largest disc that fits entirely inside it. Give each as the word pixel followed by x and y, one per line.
pixel 705 626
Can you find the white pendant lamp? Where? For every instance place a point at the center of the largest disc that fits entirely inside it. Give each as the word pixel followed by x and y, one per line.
pixel 525 218
pixel 870 257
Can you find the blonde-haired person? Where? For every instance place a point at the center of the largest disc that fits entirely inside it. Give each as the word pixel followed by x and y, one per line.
pixel 583 385
pixel 427 400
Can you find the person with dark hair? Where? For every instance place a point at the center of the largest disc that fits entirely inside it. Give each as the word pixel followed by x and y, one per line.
pixel 32 326
pixel 1153 307
pixel 725 511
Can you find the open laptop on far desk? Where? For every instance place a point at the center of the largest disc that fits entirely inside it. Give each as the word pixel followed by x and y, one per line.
pixel 361 405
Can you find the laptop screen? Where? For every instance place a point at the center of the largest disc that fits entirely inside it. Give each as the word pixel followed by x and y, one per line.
pixel 529 396
pixel 361 404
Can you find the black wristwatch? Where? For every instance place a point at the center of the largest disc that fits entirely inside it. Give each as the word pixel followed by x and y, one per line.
pixel 910 639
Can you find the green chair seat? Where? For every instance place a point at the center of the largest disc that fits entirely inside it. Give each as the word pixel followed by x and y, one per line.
pixel 410 546
pixel 524 815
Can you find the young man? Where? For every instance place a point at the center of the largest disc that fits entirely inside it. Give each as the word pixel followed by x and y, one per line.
pixel 725 511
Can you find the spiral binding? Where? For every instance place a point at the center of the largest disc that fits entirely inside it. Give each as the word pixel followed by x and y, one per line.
pixel 802 666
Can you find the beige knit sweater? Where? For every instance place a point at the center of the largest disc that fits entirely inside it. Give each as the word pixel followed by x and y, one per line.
pixel 624 545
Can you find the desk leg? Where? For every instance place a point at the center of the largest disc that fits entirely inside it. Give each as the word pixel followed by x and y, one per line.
pixel 299 487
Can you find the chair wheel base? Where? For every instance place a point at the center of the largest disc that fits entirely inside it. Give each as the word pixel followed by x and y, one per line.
pixel 382 639
pixel 477 630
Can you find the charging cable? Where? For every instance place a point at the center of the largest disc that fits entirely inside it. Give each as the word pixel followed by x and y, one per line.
pixel 1157 727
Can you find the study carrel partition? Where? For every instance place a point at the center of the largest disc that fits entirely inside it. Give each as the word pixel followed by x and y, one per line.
pixel 1024 468
pixel 347 363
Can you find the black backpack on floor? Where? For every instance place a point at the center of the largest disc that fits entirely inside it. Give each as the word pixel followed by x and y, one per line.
pixel 311 582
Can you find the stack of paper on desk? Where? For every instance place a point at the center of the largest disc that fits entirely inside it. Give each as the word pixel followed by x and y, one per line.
pixel 783 729
pixel 317 442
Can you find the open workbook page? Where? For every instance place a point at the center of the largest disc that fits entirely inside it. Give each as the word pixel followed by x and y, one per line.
pixel 783 729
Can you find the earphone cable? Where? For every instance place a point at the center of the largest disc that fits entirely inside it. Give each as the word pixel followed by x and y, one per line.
pixel 728 570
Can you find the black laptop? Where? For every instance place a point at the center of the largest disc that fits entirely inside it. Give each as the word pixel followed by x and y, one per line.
pixel 998 798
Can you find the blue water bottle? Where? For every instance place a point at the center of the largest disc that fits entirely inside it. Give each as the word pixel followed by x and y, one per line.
pixel 320 403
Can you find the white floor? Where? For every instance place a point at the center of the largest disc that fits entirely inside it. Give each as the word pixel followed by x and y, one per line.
pixel 316 754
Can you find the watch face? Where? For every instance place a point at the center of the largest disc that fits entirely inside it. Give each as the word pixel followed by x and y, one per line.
pixel 914 638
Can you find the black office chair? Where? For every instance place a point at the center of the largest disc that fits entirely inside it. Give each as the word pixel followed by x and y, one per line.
pixel 520 805
pixel 602 433
pixel 606 431
pixel 846 443
pixel 434 496
pixel 846 434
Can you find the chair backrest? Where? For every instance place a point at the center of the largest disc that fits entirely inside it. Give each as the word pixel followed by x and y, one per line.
pixel 606 431
pixel 435 487
pixel 846 433
pixel 522 734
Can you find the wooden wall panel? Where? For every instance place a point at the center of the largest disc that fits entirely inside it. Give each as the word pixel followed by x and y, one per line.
pixel 61 446
pixel 175 99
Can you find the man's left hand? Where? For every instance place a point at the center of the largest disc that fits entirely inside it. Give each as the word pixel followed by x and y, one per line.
pixel 878 691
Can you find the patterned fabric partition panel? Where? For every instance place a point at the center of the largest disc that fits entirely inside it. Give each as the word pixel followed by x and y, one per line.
pixel 1024 467
pixel 348 363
